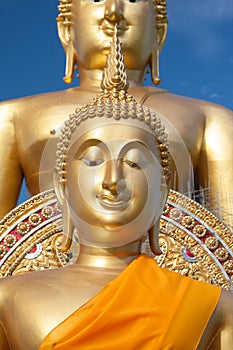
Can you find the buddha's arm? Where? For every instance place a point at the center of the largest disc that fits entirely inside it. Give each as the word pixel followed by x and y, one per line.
pixel 10 170
pixel 215 166
pixel 224 316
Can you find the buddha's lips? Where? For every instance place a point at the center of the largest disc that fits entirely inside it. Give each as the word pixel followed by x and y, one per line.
pixel 114 203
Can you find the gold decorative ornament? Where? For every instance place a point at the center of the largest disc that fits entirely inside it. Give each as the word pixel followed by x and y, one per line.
pixel 195 260
pixel 35 219
pixel 200 231
pixel 10 240
pixel 23 228
pixel 211 242
pixel 47 212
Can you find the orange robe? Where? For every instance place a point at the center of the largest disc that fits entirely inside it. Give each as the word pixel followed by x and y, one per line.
pixel 145 307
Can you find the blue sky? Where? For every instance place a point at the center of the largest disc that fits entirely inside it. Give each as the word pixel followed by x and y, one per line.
pixel 197 59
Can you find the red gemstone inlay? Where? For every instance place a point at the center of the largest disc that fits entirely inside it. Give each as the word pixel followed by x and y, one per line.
pixel 33 250
pixel 189 253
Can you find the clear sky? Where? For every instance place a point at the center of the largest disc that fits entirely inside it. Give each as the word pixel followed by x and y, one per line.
pixel 197 59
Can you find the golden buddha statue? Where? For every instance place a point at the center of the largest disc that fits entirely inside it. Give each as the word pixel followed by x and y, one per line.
pixel 111 189
pixel 85 30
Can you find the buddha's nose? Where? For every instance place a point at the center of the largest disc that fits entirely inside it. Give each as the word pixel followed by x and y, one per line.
pixel 113 181
pixel 114 10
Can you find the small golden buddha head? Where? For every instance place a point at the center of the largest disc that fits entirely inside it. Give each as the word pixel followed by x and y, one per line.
pixel 112 167
pixel 86 28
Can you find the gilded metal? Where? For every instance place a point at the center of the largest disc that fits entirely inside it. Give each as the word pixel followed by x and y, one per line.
pixel 123 200
pixel 173 238
pixel 205 129
pixel 113 102
pixel 180 251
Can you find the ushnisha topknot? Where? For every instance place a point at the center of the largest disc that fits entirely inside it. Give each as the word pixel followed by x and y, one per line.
pixel 114 75
pixel 113 102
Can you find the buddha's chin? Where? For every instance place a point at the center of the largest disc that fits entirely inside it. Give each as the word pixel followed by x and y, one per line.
pixel 114 235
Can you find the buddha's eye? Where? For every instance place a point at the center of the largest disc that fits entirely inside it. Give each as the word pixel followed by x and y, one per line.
pixel 92 163
pixel 92 156
pixel 135 165
pixel 131 164
pixel 136 158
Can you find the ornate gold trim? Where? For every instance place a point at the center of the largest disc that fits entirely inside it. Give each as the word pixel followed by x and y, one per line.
pixel 193 241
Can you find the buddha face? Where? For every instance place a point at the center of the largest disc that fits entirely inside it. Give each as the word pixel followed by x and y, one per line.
pixel 94 25
pixel 113 183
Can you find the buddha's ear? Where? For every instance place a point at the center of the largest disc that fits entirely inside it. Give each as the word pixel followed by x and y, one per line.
pixel 60 189
pixel 154 238
pixel 154 230
pixel 65 36
pixel 161 35
pixel 159 40
pixel 63 33
pixel 165 195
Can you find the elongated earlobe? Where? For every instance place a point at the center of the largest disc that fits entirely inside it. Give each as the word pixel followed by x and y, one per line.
pixel 69 70
pixel 154 230
pixel 155 66
pixel 159 40
pixel 154 239
pixel 59 188
pixel 65 34
pixel 67 231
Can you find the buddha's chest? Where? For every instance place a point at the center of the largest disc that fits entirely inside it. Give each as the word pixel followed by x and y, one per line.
pixel 38 129
pixel 41 307
pixel 35 130
pixel 37 142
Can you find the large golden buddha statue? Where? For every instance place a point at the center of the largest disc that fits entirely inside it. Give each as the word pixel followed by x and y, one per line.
pixel 200 133
pixel 111 189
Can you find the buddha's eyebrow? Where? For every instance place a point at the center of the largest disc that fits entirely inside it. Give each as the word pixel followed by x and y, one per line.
pixel 88 144
pixel 133 144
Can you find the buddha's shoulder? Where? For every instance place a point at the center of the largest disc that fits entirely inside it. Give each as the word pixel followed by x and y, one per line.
pixel 29 281
pixel 23 106
pixel 166 102
pixel 50 282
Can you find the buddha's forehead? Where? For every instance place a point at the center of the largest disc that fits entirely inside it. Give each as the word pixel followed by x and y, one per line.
pixel 111 131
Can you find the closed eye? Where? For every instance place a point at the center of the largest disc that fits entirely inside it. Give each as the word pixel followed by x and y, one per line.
pixel 133 164
pixel 92 163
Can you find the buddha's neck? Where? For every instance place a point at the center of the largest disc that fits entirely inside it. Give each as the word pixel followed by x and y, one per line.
pixel 93 77
pixel 109 258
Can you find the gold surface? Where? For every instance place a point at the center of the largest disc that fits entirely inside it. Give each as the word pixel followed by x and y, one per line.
pixel 34 303
pixel 111 191
pixel 185 232
pixel 190 227
pixel 200 133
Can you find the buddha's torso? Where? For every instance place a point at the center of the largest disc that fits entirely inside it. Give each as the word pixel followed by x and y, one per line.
pixel 37 117
pixel 41 303
pixel 42 300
